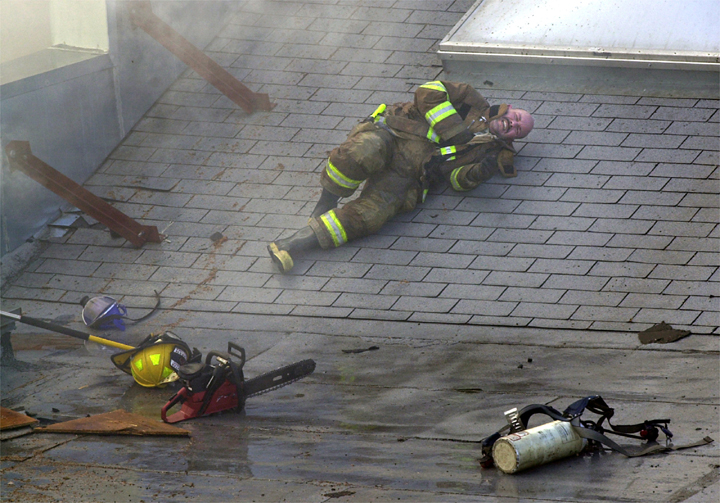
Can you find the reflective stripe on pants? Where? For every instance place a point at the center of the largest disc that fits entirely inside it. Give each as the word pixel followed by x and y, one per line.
pixel 334 228
pixel 343 181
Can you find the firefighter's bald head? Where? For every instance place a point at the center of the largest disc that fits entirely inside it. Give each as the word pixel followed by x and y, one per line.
pixel 516 123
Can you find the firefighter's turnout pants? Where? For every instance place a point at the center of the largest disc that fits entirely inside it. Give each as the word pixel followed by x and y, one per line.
pixel 394 171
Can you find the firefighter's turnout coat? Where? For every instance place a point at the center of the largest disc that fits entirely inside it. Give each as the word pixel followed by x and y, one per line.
pixel 398 151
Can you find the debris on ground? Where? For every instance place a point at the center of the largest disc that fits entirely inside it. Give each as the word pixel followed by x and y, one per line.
pixel 350 351
pixel 338 494
pixel 117 422
pixel 15 424
pixel 662 333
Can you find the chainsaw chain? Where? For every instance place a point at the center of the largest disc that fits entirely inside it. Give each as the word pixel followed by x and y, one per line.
pixel 302 368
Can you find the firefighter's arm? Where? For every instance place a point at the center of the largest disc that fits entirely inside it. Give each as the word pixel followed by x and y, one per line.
pixel 433 102
pixel 506 163
pixel 465 94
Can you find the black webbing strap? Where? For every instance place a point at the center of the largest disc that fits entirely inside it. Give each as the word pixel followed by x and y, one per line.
pixel 525 414
pixel 634 453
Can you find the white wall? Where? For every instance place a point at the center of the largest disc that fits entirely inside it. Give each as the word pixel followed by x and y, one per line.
pixel 79 23
pixel 30 26
pixel 24 28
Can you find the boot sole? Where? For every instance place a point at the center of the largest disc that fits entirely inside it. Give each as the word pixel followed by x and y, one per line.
pixel 281 258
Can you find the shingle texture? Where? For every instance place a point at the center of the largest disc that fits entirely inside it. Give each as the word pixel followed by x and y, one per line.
pixel 613 217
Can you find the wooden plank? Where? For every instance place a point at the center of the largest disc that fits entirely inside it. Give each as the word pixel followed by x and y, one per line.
pixel 117 422
pixel 9 419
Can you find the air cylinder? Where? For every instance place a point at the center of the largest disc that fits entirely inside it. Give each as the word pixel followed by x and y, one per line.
pixel 536 446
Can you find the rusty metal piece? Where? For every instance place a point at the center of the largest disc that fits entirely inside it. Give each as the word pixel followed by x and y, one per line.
pixel 142 16
pixel 21 158
pixel 9 419
pixel 117 422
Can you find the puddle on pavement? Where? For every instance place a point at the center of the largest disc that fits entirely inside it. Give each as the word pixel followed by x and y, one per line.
pixel 146 401
pixel 146 453
pixel 43 341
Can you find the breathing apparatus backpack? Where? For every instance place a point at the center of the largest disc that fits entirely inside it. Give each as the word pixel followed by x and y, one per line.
pixel 568 435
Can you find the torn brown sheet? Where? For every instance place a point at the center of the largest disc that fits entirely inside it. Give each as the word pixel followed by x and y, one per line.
pixel 9 419
pixel 117 422
pixel 662 333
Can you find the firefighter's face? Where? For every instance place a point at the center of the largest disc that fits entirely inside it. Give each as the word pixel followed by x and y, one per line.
pixel 516 123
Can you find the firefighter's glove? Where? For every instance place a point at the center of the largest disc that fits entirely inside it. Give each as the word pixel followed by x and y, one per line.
pixel 461 138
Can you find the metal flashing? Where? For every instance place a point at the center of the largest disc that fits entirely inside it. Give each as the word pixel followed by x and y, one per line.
pixel 649 34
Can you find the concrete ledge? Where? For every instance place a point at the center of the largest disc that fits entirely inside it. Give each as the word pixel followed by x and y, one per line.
pixel 47 68
pixel 582 79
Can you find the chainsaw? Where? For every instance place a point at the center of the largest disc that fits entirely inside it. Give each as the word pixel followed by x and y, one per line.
pixel 219 384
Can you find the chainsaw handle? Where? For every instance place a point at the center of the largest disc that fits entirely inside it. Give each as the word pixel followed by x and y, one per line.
pixel 233 350
pixel 239 352
pixel 183 393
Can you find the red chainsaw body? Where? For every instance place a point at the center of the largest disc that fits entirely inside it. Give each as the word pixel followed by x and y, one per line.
pixel 219 384
pixel 224 398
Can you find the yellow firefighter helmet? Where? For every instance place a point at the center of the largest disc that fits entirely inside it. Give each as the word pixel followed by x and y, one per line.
pixel 155 362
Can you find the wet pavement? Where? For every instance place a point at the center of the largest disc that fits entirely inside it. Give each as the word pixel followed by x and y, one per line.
pixel 526 290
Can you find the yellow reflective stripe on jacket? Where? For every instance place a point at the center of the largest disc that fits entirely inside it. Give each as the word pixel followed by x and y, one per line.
pixel 334 227
pixel 454 181
pixel 447 151
pixel 435 85
pixel 342 180
pixel 432 135
pixel 439 113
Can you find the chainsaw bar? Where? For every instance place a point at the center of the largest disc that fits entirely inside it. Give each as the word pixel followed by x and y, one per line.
pixel 278 378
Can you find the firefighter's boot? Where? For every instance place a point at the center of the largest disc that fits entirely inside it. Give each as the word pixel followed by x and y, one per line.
pixel 328 201
pixel 280 251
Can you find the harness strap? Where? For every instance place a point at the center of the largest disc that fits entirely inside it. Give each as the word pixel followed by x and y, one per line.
pixel 649 449
pixel 382 123
pixel 525 414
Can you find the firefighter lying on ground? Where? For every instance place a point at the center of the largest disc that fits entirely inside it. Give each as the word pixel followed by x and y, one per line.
pixel 449 131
